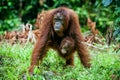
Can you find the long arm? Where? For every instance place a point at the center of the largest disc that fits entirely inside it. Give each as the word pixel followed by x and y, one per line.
pixel 77 36
pixel 38 52
pixel 82 51
pixel 40 47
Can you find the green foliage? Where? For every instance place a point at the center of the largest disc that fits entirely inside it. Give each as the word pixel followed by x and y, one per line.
pixel 15 60
pixel 106 2
pixel 116 34
pixel 105 13
pixel 9 24
pixel 11 13
pixel 8 18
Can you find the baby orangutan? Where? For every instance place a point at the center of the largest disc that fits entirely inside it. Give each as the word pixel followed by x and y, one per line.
pixel 67 46
pixel 67 49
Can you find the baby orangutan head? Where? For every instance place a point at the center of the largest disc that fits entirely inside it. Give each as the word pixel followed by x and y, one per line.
pixel 67 45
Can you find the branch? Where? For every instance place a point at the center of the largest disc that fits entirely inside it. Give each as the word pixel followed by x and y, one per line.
pixel 97 47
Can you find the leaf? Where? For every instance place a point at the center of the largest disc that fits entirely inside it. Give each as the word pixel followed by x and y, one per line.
pixel 117 10
pixel 106 2
pixel 116 32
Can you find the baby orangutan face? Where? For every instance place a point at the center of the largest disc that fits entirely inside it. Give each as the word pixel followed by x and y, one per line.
pixel 66 46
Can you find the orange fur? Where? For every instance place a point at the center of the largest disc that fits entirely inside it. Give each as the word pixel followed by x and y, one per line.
pixel 49 39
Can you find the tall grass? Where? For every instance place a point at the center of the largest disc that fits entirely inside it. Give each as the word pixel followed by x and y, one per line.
pixel 15 60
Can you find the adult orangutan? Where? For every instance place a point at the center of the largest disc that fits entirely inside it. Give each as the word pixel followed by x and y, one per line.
pixel 57 25
pixel 67 48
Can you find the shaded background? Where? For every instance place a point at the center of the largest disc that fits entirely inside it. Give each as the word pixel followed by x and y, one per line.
pixel 103 12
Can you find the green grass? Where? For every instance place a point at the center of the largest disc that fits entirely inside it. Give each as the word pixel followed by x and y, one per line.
pixel 15 60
